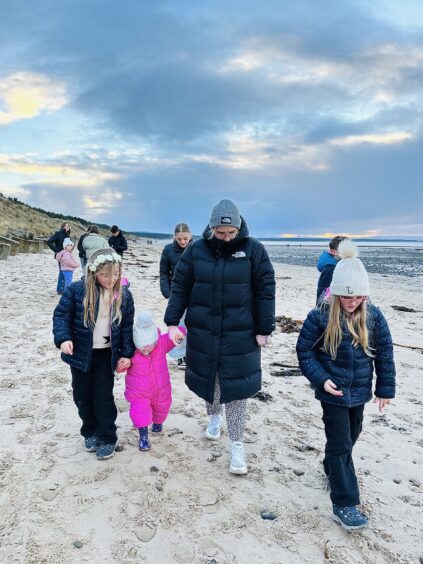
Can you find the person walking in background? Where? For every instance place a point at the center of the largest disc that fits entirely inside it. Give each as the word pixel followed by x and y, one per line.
pixel 93 327
pixel 326 265
pixel 81 250
pixel 168 261
pixel 340 345
pixel 117 241
pixel 56 245
pixel 148 387
pixel 226 283
pixel 66 261
pixel 93 241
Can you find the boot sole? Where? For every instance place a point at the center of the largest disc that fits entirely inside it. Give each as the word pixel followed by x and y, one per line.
pixel 105 457
pixel 212 437
pixel 348 527
pixel 238 471
pixel 92 449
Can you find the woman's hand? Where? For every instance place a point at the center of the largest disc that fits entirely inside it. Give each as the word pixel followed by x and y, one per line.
pixel 175 335
pixel 331 388
pixel 263 340
pixel 382 402
pixel 67 347
pixel 123 364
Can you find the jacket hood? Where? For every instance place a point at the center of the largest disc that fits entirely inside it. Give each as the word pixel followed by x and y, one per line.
pixel 226 248
pixel 325 259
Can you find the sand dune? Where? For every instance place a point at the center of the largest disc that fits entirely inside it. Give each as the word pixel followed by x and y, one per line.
pixel 178 503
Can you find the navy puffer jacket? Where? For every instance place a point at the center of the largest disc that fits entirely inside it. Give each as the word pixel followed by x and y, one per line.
pixel 68 325
pixel 352 370
pixel 228 290
pixel 168 261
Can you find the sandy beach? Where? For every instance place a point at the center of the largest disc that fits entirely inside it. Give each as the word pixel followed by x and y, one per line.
pixel 178 502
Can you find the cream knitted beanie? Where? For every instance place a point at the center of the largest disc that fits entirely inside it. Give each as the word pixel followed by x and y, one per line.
pixel 145 330
pixel 350 278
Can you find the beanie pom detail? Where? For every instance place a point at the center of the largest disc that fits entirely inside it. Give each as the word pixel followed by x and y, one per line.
pixel 347 249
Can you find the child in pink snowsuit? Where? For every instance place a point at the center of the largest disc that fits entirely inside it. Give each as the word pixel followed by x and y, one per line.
pixel 67 262
pixel 148 387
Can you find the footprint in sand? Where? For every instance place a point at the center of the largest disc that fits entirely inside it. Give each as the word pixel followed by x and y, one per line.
pixel 184 553
pixel 145 532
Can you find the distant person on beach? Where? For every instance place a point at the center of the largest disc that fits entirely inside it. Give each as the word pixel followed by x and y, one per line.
pixel 93 242
pixel 326 265
pixel 226 283
pixel 93 326
pixel 340 345
pixel 81 250
pixel 168 261
pixel 148 388
pixel 56 245
pixel 117 241
pixel 67 263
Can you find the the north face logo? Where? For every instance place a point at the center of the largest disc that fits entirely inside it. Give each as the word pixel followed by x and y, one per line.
pixel 225 219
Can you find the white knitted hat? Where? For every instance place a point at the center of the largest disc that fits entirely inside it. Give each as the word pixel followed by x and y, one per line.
pixel 350 278
pixel 67 241
pixel 145 330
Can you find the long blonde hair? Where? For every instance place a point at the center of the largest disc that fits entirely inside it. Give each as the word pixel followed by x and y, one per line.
pixel 356 324
pixel 93 288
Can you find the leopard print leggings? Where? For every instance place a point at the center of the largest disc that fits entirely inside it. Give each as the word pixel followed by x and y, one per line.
pixel 236 413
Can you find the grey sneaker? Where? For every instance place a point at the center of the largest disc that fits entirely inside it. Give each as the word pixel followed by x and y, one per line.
pixel 214 428
pixel 350 518
pixel 237 463
pixel 91 444
pixel 105 450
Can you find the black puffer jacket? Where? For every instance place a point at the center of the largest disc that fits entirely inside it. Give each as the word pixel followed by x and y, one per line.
pixel 168 261
pixel 68 325
pixel 228 290
pixel 352 369
pixel 118 243
pixel 56 240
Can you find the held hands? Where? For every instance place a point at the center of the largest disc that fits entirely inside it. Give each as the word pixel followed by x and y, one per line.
pixel 123 364
pixel 382 402
pixel 263 340
pixel 67 347
pixel 175 335
pixel 331 388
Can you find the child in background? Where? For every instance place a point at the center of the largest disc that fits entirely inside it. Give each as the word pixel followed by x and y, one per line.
pixel 326 265
pixel 168 261
pixel 148 387
pixel 67 263
pixel 339 346
pixel 92 326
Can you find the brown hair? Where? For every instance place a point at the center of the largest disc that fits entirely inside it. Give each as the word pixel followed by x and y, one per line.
pixel 93 288
pixel 182 228
pixel 334 242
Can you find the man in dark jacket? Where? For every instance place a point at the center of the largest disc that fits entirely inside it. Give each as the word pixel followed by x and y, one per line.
pixel 226 282
pixel 56 245
pixel 81 250
pixel 117 241
pixel 326 265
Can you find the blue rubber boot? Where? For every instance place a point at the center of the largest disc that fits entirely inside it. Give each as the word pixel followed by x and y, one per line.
pixel 144 443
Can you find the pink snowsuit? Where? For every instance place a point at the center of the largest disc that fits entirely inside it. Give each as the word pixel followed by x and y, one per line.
pixel 66 261
pixel 148 387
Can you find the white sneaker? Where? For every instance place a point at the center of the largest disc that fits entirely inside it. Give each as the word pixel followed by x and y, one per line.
pixel 237 463
pixel 213 430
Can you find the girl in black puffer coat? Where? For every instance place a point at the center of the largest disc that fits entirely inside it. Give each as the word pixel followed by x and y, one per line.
pixel 93 327
pixel 339 347
pixel 226 282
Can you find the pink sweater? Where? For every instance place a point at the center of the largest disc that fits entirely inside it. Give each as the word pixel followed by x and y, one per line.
pixel 66 261
pixel 148 375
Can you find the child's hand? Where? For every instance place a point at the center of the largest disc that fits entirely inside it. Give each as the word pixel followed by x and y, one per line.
pixel 331 388
pixel 67 347
pixel 263 340
pixel 175 335
pixel 123 364
pixel 382 402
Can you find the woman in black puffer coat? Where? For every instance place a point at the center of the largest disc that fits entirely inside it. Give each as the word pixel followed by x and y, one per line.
pixel 226 282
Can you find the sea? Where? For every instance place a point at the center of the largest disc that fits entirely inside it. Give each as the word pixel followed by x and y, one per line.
pixel 390 257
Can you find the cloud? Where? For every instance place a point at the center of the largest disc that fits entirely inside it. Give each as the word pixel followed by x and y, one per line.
pixel 25 95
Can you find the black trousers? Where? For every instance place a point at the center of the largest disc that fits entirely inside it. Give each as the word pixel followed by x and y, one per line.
pixel 93 396
pixel 342 428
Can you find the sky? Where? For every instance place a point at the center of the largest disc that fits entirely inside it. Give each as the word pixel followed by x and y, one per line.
pixel 308 115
